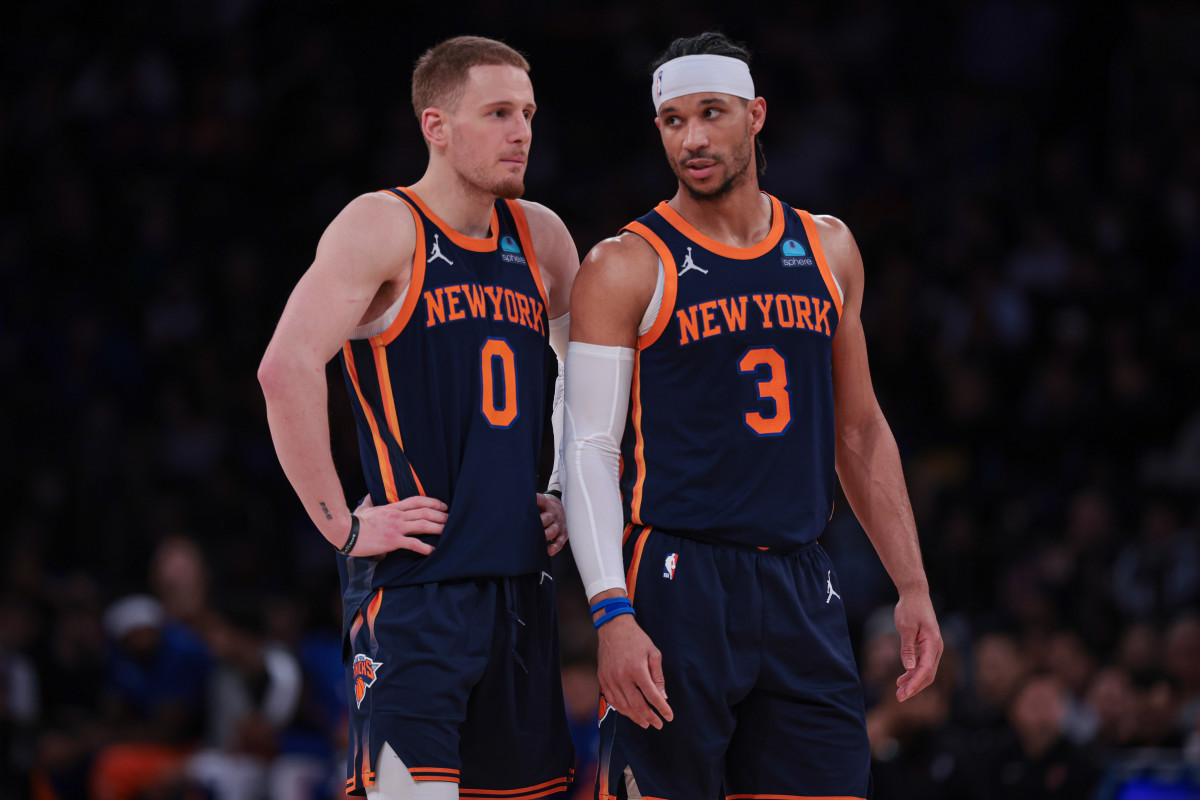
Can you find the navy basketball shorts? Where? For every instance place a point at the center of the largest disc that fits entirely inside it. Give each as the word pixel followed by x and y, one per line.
pixel 462 680
pixel 759 672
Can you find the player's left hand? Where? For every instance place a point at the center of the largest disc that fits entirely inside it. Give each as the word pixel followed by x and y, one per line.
pixel 920 643
pixel 554 520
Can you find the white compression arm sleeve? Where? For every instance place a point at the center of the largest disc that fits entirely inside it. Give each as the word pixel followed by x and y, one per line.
pixel 560 331
pixel 597 402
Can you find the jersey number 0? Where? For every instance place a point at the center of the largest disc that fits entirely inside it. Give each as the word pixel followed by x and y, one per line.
pixel 498 365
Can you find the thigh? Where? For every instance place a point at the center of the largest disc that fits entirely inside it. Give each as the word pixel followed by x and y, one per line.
pixel 515 740
pixel 414 654
pixel 699 605
pixel 801 732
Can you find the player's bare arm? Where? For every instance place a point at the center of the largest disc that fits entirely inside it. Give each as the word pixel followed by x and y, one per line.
pixel 868 466
pixel 610 296
pixel 363 263
pixel 612 290
pixel 558 261
pixel 557 255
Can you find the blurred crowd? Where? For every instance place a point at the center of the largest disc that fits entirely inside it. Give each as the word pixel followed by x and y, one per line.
pixel 1023 179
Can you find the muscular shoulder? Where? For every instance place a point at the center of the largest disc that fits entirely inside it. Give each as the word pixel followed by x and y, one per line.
pixel 375 230
pixel 556 253
pixel 841 252
pixel 626 259
pixel 615 284
pixel 542 220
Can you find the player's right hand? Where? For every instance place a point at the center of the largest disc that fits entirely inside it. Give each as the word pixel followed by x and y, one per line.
pixel 382 529
pixel 630 673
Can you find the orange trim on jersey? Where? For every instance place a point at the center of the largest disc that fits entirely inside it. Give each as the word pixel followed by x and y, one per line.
pixel 416 281
pixel 368 774
pixel 559 789
pixel 443 774
pixel 625 536
pixel 527 793
pixel 639 448
pixel 527 245
pixel 373 610
pixel 708 243
pixel 385 463
pixel 462 240
pixel 449 770
pixel 670 283
pixel 379 350
pixel 790 797
pixel 810 227
pixel 635 562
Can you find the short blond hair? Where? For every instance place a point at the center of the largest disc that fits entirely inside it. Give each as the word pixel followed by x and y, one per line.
pixel 440 75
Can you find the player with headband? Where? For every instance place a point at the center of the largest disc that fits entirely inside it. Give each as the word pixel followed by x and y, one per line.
pixel 718 382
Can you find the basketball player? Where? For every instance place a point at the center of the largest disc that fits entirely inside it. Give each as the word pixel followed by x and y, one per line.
pixel 440 298
pixel 717 356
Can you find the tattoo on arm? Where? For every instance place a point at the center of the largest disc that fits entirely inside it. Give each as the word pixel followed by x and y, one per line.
pixel 326 510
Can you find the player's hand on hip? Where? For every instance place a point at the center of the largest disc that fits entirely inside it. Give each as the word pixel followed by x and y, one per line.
pixel 554 520
pixel 920 643
pixel 394 526
pixel 630 673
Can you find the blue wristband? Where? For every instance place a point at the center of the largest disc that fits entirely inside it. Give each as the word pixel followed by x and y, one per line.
pixel 610 608
pixel 612 614
pixel 611 602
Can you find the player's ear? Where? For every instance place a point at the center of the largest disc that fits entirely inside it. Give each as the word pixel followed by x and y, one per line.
pixel 433 126
pixel 757 109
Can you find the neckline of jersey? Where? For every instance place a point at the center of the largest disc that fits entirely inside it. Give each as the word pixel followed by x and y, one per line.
pixel 461 239
pixel 765 246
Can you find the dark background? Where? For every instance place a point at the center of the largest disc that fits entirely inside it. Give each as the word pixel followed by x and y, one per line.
pixel 1023 180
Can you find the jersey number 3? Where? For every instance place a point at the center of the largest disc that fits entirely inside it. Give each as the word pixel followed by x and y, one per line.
pixel 772 387
pixel 498 365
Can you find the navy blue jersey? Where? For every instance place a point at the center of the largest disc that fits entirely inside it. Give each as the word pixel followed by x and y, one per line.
pixel 730 430
pixel 449 403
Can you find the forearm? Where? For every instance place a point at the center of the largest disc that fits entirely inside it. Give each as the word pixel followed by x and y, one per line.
pixel 594 519
pixel 298 417
pixel 868 465
pixel 596 404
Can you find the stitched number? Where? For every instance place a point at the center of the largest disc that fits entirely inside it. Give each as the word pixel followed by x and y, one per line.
pixel 498 364
pixel 772 387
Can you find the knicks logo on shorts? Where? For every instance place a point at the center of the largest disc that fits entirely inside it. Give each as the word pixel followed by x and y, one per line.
pixel 365 671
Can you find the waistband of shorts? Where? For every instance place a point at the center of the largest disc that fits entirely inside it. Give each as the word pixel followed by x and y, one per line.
pixel 716 541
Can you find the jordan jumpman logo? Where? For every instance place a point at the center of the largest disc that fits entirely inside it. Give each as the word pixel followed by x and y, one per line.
pixel 689 264
pixel 829 586
pixel 436 252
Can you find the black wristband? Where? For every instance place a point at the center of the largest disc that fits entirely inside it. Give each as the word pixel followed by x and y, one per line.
pixel 352 539
pixel 554 493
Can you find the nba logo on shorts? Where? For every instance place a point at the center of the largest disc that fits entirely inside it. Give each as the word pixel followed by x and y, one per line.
pixel 669 566
pixel 365 671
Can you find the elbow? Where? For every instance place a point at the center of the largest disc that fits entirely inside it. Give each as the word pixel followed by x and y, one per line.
pixel 276 374
pixel 269 374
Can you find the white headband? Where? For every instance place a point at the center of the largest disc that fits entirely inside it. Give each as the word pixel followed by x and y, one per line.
pixel 704 73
